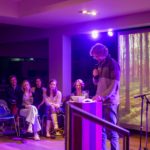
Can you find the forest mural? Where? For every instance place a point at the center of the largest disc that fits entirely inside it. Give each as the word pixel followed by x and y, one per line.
pixel 134 59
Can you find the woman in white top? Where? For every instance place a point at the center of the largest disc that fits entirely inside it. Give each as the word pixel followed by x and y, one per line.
pixel 53 102
pixel 29 111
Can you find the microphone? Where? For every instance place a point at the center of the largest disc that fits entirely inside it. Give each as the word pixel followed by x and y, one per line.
pixel 141 95
pixel 96 66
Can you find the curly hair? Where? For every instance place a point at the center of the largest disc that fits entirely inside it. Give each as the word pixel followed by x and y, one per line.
pixel 79 81
pixel 99 49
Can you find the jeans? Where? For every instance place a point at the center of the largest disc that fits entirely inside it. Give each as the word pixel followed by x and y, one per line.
pixel 110 114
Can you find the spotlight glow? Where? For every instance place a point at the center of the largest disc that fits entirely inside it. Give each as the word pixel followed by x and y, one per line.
pixel 84 11
pixel 95 34
pixel 87 12
pixel 110 32
pixel 93 13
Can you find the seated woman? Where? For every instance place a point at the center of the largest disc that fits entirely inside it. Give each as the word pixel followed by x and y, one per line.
pixel 79 89
pixel 53 102
pixel 29 111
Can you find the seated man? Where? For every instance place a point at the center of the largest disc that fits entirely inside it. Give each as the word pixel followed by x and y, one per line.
pixel 39 92
pixel 13 95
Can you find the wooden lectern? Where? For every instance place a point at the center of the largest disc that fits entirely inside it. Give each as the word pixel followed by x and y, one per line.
pixel 87 135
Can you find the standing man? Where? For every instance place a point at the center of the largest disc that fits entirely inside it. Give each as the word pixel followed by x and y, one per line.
pixel 107 78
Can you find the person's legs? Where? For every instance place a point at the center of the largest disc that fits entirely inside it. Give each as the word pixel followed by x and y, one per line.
pixel 25 112
pixel 42 110
pixel 111 116
pixel 104 134
pixel 48 123
pixel 53 115
pixel 48 120
pixel 36 125
pixel 55 121
pixel 36 128
pixel 114 137
pixel 104 139
pixel 31 115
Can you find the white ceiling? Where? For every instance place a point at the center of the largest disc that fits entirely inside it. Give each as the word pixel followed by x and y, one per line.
pixel 49 13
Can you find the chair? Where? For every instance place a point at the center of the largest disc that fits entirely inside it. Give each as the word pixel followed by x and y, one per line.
pixel 5 115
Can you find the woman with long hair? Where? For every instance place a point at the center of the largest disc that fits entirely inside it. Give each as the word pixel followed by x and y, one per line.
pixel 53 102
pixel 29 111
pixel 79 89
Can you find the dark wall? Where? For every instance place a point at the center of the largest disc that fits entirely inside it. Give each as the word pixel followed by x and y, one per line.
pixel 24 43
pixel 82 63
pixel 27 48
pixel 25 68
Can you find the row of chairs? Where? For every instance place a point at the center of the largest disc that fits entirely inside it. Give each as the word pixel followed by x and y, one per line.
pixel 6 116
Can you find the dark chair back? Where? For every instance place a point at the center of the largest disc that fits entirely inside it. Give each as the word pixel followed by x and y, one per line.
pixel 5 115
pixel 4 110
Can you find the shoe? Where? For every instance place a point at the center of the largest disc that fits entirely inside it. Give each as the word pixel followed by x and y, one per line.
pixel 52 136
pixel 29 130
pixel 57 133
pixel 48 134
pixel 36 137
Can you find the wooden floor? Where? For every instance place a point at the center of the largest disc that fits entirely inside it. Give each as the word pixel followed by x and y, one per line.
pixel 135 140
pixel 11 143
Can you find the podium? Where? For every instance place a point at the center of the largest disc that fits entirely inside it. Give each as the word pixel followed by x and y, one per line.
pixel 87 135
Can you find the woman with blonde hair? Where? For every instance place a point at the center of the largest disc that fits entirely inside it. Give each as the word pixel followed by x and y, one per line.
pixel 29 111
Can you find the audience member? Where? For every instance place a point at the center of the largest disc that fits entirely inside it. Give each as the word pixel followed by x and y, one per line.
pixel 79 89
pixel 39 92
pixel 13 95
pixel 53 102
pixel 29 111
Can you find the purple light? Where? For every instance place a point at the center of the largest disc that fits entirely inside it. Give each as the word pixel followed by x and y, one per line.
pixel 95 34
pixel 110 32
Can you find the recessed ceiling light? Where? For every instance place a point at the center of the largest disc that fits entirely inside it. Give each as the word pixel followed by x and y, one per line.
pixel 95 34
pixel 87 12
pixel 110 32
pixel 93 13
pixel 84 11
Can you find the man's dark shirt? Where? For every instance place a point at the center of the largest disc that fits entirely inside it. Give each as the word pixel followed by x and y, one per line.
pixel 13 96
pixel 38 96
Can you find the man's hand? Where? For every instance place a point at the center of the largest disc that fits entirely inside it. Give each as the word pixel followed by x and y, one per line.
pixel 97 98
pixel 95 72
